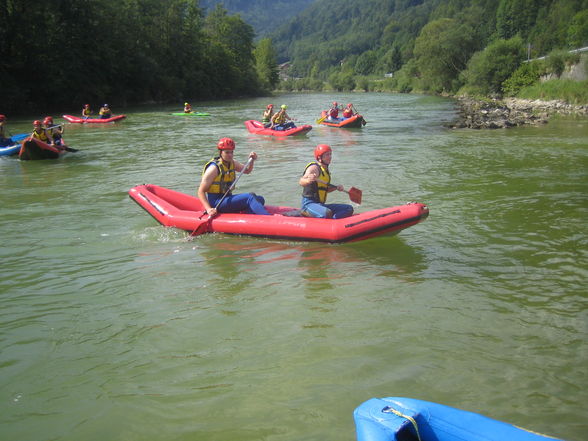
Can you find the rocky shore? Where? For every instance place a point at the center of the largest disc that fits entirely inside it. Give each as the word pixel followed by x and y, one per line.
pixel 509 112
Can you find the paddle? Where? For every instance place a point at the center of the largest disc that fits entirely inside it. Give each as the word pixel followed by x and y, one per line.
pixel 354 193
pixel 321 119
pixel 206 222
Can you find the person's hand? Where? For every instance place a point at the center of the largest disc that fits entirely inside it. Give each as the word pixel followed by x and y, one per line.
pixel 253 155
pixel 340 188
pixel 211 212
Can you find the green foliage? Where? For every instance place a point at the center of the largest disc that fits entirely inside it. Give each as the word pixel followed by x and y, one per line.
pixel 488 69
pixel 442 50
pixel 120 51
pixel 577 33
pixel 266 64
pixel 526 75
pixel 557 60
pixel 574 92
pixel 342 81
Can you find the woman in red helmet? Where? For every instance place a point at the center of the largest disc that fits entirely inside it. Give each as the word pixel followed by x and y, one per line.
pixel 217 177
pixel 316 183
pixel 348 112
pixel 268 113
pixel 56 132
pixel 86 111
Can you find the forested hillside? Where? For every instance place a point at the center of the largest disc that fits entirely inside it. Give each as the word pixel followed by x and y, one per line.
pixel 61 52
pixel 432 40
pixel 263 15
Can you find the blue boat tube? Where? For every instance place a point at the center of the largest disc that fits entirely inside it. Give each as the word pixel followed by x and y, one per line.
pixel 407 419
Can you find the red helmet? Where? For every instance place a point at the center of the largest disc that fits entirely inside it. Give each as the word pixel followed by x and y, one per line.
pixel 86 105
pixel 36 122
pixel 226 144
pixel 48 120
pixel 349 105
pixel 335 103
pixel 321 149
pixel 270 106
pixel 2 117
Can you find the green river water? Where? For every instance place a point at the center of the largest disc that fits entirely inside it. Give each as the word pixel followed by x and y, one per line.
pixel 115 328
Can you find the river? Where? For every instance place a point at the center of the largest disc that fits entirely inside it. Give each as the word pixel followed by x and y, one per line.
pixel 115 328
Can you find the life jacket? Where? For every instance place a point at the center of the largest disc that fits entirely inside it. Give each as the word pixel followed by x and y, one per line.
pixel 86 112
pixel 334 112
pixel 280 118
pixel 225 177
pixel 42 136
pixel 105 112
pixel 317 191
pixel 347 113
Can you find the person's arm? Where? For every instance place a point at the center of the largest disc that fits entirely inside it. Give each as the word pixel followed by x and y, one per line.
pixel 239 167
pixel 207 179
pixel 310 175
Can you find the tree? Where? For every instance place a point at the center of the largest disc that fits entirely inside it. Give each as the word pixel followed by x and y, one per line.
pixel 442 50
pixel 488 69
pixel 266 64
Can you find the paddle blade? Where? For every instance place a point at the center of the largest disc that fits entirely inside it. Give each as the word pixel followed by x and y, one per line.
pixel 355 195
pixel 320 120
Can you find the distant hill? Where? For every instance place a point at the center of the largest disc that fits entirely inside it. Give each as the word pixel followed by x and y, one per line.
pixel 263 15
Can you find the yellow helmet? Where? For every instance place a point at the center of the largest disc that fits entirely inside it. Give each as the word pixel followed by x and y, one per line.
pixel 283 106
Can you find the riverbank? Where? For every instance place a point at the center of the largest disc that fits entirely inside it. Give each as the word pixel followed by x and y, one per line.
pixel 510 112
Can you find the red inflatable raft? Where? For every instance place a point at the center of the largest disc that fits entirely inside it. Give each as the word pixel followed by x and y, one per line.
pixel 179 210
pixel 258 128
pixel 354 121
pixel 37 149
pixel 78 120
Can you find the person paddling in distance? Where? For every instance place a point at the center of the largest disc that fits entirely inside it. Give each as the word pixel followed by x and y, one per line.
pixel 333 112
pixel 268 114
pixel 105 112
pixel 41 133
pixel 56 132
pixel 86 111
pixel 316 183
pixel 4 139
pixel 281 120
pixel 187 108
pixel 218 176
pixel 349 111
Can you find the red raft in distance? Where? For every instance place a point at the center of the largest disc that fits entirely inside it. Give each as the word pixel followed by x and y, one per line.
pixel 179 210
pixel 78 120
pixel 258 128
pixel 352 122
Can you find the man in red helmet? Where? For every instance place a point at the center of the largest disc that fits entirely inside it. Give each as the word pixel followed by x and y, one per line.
pixel 217 177
pixel 316 183
pixel 333 112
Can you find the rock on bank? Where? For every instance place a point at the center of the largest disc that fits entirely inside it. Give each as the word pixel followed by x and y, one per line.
pixel 509 112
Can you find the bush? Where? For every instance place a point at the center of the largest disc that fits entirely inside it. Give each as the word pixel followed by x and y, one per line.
pixel 526 75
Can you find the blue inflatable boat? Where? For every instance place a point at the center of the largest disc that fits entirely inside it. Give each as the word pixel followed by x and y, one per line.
pixel 13 146
pixel 407 419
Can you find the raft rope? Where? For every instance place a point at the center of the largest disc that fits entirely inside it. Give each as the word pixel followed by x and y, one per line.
pixel 389 409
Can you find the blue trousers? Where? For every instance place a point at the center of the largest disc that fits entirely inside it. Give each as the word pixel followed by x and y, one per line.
pixel 237 203
pixel 311 208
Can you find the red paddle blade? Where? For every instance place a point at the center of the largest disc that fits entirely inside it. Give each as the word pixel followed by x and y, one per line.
pixel 355 195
